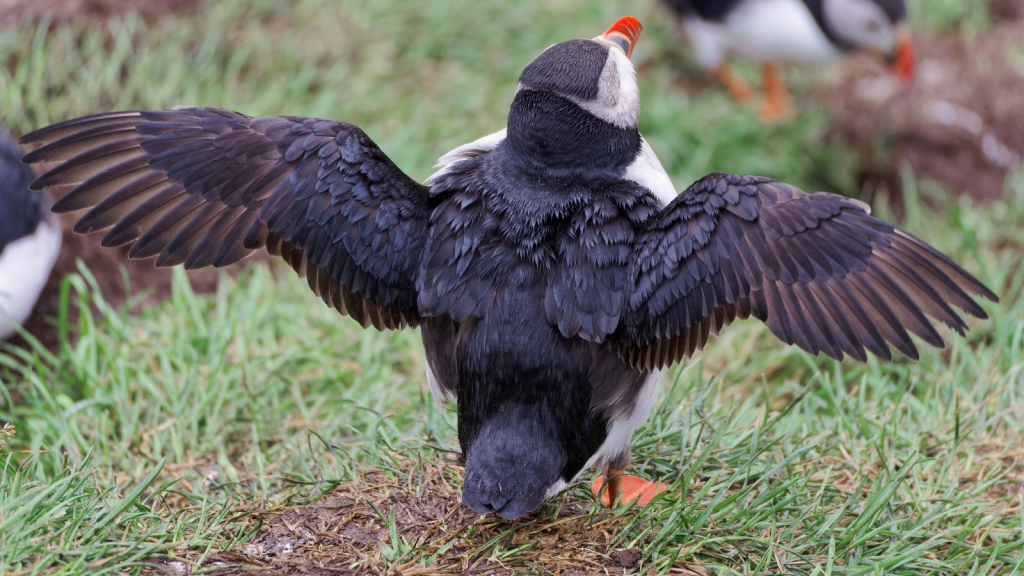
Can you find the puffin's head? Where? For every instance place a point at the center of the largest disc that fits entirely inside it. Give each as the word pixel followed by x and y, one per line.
pixel 595 74
pixel 879 26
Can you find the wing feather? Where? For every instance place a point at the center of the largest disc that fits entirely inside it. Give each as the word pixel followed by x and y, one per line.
pixel 207 187
pixel 817 269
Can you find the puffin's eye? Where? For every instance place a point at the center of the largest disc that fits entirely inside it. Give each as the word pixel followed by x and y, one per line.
pixel 873 26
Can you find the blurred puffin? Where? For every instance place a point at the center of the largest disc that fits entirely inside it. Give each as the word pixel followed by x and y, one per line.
pixel 30 237
pixel 770 31
pixel 551 267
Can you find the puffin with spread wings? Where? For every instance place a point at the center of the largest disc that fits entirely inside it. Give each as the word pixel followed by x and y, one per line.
pixel 551 267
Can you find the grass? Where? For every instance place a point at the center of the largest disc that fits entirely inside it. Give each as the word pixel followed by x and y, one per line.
pixel 185 432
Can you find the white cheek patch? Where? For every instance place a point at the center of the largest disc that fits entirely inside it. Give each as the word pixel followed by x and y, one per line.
pixel 618 97
pixel 860 23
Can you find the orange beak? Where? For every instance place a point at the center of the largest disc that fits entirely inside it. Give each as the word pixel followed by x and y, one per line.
pixel 903 63
pixel 623 34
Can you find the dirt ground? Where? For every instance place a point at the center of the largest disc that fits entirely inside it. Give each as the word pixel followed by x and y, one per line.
pixel 106 265
pixel 347 533
pixel 59 10
pixel 109 266
pixel 962 122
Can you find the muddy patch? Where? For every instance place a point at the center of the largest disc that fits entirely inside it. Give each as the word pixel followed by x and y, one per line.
pixel 961 123
pixel 148 285
pixel 1007 10
pixel 11 11
pixel 372 527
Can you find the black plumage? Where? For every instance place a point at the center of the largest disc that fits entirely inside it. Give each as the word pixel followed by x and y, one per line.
pixel 20 209
pixel 207 187
pixel 816 268
pixel 548 277
pixel 711 10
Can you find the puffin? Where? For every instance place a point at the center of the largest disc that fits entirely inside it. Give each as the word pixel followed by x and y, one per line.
pixel 551 267
pixel 30 239
pixel 807 31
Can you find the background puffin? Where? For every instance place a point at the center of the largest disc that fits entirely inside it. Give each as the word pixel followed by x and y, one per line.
pixel 771 31
pixel 30 238
pixel 550 266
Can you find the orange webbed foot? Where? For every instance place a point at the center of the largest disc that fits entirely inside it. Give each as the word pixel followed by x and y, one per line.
pixel 626 489
pixel 775 109
pixel 778 104
pixel 734 83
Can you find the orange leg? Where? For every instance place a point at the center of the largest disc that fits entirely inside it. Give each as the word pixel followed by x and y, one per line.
pixel 623 488
pixel 614 484
pixel 777 103
pixel 733 82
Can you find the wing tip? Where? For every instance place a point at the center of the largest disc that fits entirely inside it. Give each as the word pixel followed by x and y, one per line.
pixel 63 205
pixel 32 157
pixel 44 134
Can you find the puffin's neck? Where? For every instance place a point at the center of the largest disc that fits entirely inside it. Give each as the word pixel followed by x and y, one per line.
pixel 552 135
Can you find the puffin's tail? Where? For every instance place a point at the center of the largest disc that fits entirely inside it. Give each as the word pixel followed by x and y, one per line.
pixel 510 466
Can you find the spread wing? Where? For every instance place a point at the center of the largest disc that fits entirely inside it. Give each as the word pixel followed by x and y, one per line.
pixel 207 187
pixel 816 268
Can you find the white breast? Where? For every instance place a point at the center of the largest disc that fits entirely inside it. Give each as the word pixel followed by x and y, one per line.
pixel 475 148
pixel 648 172
pixel 441 396
pixel 25 265
pixel 620 433
pixel 764 31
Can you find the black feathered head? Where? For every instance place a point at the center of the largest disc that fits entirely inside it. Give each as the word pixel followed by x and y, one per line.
pixel 596 74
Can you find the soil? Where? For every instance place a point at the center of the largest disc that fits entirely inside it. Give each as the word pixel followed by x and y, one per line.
pixel 12 11
pixel 1007 10
pixel 347 532
pixel 109 266
pixel 962 122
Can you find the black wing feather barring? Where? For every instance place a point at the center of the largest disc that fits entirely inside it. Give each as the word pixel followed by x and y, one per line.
pixel 818 269
pixel 204 186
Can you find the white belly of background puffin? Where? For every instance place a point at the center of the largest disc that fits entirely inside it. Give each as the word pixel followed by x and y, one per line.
pixel 762 30
pixel 25 266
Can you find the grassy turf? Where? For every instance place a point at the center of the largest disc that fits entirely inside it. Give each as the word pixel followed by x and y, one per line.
pixel 169 432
